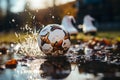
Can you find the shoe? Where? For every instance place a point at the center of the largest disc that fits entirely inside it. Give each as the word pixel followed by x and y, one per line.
pixel 88 26
pixel 69 24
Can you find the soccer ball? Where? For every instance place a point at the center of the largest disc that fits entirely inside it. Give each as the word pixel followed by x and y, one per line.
pixel 53 40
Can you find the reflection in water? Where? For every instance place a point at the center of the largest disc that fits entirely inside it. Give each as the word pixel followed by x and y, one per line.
pixel 76 75
pixel 59 69
pixel 56 68
pixel 74 67
pixel 104 70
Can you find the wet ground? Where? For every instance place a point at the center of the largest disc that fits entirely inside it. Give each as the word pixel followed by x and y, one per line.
pixel 93 60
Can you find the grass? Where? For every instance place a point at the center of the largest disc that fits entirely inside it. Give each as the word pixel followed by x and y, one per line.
pixel 111 35
pixel 11 37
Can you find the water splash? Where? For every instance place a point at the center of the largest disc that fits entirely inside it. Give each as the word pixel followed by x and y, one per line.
pixel 29 47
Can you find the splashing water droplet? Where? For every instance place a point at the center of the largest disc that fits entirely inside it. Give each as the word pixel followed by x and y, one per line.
pixel 13 20
pixel 33 17
pixel 16 34
pixel 53 17
pixel 30 46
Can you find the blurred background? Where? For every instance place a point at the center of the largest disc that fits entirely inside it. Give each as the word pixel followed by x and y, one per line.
pixel 15 14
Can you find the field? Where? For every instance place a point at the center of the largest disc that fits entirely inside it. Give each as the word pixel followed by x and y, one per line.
pixel 113 36
pixel 102 63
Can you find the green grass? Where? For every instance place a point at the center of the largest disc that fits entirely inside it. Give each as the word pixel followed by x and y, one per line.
pixel 111 35
pixel 11 37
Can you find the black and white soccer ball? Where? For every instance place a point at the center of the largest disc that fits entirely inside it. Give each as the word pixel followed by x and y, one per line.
pixel 53 40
